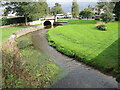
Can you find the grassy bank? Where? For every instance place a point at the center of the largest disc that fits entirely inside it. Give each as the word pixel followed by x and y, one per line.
pixel 80 39
pixel 6 32
pixel 31 70
pixel 40 67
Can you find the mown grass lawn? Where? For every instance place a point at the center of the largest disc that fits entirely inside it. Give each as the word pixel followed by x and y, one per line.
pixel 6 32
pixel 80 39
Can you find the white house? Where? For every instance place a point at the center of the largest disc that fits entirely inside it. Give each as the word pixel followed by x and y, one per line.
pixel 96 10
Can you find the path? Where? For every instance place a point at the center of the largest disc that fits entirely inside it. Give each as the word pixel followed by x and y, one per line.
pixel 79 75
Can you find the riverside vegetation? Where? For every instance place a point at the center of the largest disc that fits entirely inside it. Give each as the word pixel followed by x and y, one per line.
pixel 28 68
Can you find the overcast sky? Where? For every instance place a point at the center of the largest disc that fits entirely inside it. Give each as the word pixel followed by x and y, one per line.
pixel 66 5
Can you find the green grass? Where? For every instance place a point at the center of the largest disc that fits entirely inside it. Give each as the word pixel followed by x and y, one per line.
pixel 6 32
pixel 80 39
pixel 108 59
pixel 42 70
pixel 39 70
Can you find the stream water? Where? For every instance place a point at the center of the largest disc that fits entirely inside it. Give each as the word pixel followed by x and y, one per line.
pixel 76 74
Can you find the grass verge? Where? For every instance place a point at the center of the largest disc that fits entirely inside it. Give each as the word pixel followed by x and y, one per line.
pixel 6 32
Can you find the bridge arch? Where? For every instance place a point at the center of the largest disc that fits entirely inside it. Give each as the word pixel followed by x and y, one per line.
pixel 47 23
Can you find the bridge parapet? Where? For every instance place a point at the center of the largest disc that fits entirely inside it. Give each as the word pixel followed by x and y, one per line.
pixel 49 21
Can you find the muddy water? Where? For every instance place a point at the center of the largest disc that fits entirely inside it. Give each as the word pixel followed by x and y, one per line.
pixel 77 75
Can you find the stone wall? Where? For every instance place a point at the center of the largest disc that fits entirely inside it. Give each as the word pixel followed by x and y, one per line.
pixel 27 30
pixel 12 25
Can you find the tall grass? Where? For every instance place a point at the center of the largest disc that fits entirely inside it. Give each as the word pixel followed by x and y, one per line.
pixel 27 69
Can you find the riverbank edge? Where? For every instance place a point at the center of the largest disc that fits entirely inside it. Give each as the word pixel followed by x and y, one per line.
pixel 12 47
pixel 82 60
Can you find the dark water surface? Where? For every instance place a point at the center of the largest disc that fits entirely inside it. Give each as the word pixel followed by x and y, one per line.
pixel 77 75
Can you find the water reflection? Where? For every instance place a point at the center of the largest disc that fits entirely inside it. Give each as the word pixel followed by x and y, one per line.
pixel 49 26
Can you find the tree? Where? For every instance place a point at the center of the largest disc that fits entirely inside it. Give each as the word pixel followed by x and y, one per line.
pixel 117 10
pixel 107 17
pixel 57 5
pixel 107 7
pixel 31 10
pixel 57 9
pixel 75 9
pixel 87 13
pixel 49 11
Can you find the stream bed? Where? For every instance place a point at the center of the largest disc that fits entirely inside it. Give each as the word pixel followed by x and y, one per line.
pixel 75 74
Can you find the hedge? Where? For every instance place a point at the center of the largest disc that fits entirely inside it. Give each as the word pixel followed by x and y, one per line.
pixel 9 21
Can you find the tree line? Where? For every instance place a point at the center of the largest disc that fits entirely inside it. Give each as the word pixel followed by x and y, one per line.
pixel 110 12
pixel 36 10
pixel 31 10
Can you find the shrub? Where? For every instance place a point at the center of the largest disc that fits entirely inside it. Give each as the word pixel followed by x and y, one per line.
pixel 8 21
pixel 12 69
pixel 107 17
pixel 24 69
pixel 102 27
pixel 87 13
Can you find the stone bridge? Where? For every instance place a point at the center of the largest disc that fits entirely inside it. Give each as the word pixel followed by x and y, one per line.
pixel 49 21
